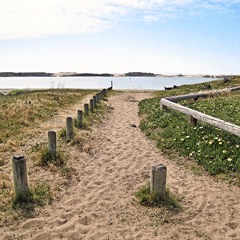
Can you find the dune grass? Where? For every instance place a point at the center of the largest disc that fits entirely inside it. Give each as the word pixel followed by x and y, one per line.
pixel 21 114
pixel 214 149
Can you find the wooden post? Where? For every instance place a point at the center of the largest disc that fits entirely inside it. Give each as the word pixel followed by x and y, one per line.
pixel 104 92
pixel 193 121
pixel 79 118
pixel 69 127
pixel 94 101
pixel 158 181
pixel 99 96
pixel 111 85
pixel 20 178
pixel 163 107
pixel 91 105
pixel 52 144
pixel 86 109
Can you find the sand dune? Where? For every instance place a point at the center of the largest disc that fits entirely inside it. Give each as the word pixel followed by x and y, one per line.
pixel 99 202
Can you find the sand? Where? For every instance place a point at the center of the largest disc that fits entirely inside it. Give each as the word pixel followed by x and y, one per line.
pixel 99 202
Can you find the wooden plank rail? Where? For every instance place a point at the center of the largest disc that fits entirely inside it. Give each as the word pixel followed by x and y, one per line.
pixel 202 94
pixel 170 102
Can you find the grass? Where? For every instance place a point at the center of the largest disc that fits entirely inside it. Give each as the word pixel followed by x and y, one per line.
pixel 11 208
pixel 21 114
pixel 147 198
pixel 225 107
pixel 214 149
pixel 39 195
pixel 47 158
pixel 93 117
pixel 160 211
pixel 22 111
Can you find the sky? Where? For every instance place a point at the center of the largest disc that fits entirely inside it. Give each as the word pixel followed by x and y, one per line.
pixel 119 36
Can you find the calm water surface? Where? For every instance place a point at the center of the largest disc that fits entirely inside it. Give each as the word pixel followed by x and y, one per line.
pixel 121 83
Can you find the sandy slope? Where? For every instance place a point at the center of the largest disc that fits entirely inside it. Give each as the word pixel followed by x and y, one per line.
pixel 99 202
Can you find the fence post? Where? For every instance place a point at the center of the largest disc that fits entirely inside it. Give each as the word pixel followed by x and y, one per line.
pixel 99 96
pixel 86 109
pixel 103 93
pixel 111 85
pixel 193 121
pixel 91 105
pixel 163 107
pixel 69 127
pixel 20 177
pixel 79 118
pixel 158 181
pixel 52 144
pixel 94 101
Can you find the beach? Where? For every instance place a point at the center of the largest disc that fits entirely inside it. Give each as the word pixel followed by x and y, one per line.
pixel 99 201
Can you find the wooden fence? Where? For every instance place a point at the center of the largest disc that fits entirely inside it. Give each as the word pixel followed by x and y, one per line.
pixel 170 102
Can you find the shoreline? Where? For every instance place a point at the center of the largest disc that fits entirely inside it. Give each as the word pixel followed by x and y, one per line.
pixel 5 91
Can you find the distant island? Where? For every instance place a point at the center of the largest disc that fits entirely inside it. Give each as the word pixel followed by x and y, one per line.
pixel 139 74
pixel 26 74
pixel 87 75
pixel 44 74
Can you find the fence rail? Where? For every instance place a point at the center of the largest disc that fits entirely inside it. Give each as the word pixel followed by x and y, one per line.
pixel 170 102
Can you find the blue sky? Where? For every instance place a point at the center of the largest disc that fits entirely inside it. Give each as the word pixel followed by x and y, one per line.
pixel 168 37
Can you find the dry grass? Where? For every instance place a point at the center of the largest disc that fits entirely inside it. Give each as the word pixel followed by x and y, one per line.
pixel 21 114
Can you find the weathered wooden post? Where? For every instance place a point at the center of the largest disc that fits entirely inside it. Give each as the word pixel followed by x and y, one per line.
pixel 79 118
pixel 193 121
pixel 94 101
pixel 52 144
pixel 158 181
pixel 163 107
pixel 69 127
pixel 91 105
pixel 86 109
pixel 20 178
pixel 103 93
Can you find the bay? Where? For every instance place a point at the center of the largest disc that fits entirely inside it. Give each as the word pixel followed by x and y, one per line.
pixel 119 83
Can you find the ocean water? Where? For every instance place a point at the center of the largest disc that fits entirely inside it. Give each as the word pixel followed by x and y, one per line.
pixel 119 83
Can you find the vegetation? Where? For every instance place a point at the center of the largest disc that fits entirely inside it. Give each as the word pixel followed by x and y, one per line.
pixel 10 208
pixel 25 74
pixel 21 114
pixel 214 149
pixel 159 211
pixel 20 119
pixel 146 198
pixel 23 110
pixel 139 74
pixel 89 75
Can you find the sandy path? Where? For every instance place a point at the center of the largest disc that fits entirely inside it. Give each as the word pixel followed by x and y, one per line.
pixel 99 202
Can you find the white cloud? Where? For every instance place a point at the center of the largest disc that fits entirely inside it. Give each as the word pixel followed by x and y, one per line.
pixel 31 18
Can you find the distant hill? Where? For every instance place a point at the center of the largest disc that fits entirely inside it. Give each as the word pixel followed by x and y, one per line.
pixel 88 75
pixel 25 74
pixel 139 74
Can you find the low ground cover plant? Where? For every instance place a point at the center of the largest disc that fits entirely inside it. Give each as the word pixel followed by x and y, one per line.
pixel 214 149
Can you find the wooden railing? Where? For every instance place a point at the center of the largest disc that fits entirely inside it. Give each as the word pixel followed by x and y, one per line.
pixel 170 102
